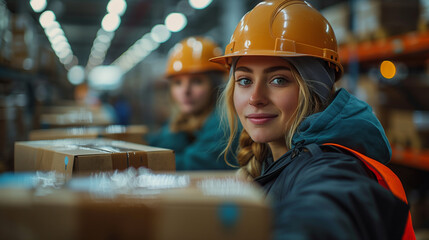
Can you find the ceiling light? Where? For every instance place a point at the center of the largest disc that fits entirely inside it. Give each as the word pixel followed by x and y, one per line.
pixel 64 53
pixel 117 7
pixel 52 25
pixel 95 61
pixel 68 60
pixel 38 5
pixel 102 39
pixel 76 75
pixel 105 77
pixel 160 33
pixel 101 32
pixel 46 18
pixel 97 54
pixel 58 39
pixel 139 52
pixel 199 4
pixel 175 22
pixel 54 32
pixel 148 44
pixel 110 22
pixel 388 69
pixel 60 46
pixel 100 47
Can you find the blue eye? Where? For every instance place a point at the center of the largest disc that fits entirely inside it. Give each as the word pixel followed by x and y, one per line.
pixel 279 81
pixel 244 81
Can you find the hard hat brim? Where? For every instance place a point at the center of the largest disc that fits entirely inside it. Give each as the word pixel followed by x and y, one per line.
pixel 226 60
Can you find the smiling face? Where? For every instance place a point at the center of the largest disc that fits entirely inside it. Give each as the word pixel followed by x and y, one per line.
pixel 265 97
pixel 191 92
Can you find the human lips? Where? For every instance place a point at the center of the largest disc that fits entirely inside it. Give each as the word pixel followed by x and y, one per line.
pixel 188 101
pixel 260 118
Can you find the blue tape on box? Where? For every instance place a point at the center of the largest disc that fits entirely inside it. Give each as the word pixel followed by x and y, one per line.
pixel 229 213
pixel 66 162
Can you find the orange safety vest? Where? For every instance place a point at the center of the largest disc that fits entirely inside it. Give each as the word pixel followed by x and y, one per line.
pixel 388 180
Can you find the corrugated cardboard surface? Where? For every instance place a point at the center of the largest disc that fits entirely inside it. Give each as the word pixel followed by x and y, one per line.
pixel 186 212
pixel 73 116
pixel 89 155
pixel 133 133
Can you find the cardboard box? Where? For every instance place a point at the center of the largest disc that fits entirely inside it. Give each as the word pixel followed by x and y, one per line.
pixel 82 117
pixel 89 155
pixel 133 133
pixel 70 114
pixel 380 18
pixel 165 206
pixel 24 44
pixel 338 16
pixel 8 130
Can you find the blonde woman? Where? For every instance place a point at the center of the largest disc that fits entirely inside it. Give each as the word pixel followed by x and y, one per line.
pixel 193 131
pixel 317 152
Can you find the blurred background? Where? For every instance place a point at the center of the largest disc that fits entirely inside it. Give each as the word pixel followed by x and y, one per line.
pixel 66 63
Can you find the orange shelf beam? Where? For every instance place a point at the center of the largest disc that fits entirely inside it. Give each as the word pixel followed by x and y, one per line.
pixel 411 158
pixel 409 43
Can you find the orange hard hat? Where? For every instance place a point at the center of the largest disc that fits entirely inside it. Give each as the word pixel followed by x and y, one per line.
pixel 192 55
pixel 283 28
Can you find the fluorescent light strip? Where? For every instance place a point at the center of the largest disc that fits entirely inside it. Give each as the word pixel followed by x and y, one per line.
pixel 200 4
pixel 110 23
pixel 160 33
pixel 38 5
pixel 55 35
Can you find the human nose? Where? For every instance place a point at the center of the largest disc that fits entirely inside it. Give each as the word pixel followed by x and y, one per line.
pixel 187 87
pixel 258 96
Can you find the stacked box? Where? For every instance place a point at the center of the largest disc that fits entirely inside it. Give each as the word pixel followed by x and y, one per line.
pixel 133 133
pixel 134 205
pixel 71 156
pixel 47 60
pixel 73 116
pixel 24 44
pixel 338 16
pixel 10 128
pixel 408 129
pixel 382 18
pixel 5 34
pixel 424 15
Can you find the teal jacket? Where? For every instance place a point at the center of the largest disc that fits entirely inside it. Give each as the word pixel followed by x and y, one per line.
pixel 204 152
pixel 349 122
pixel 322 192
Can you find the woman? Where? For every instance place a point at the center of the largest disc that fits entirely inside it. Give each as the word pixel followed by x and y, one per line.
pixel 317 152
pixel 193 132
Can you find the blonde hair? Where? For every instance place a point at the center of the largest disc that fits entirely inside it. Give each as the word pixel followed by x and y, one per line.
pixel 251 154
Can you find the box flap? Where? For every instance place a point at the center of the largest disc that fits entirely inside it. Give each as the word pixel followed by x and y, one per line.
pixel 79 146
pixel 65 155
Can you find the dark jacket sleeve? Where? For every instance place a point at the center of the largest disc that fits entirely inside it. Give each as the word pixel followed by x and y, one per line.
pixel 164 138
pixel 205 152
pixel 332 196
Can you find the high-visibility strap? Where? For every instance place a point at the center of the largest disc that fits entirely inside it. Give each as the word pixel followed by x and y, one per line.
pixel 388 180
